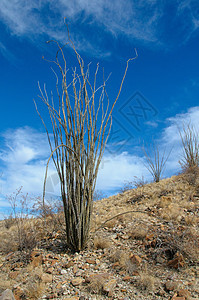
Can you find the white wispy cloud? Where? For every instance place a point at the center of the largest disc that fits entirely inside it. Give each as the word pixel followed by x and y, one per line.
pixel 25 151
pixel 171 139
pixel 143 21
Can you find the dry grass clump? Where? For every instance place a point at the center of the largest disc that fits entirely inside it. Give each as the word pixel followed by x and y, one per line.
pixel 34 286
pixel 165 201
pixel 8 242
pixel 191 175
pixel 172 212
pixel 189 244
pixel 96 284
pixel 119 256
pixel 101 242
pixel 138 232
pixel 146 281
pixel 190 143
pixel 191 219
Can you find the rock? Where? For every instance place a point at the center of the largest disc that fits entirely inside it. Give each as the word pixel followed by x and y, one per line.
pixel 63 271
pixel 178 298
pixel 77 281
pixel 171 286
pixel 46 278
pixel 69 264
pixel 18 293
pixel 177 262
pixel 36 258
pixel 184 293
pixel 99 276
pixel 50 270
pixel 90 261
pixel 127 278
pixel 13 275
pixel 75 269
pixel 9 256
pixel 135 259
pixel 71 298
pixel 108 286
pixel 7 295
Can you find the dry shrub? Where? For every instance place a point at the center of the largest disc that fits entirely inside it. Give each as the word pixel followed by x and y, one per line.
pixel 96 284
pixel 51 216
pixel 165 201
pixel 8 221
pixel 190 143
pixel 139 233
pixel 110 224
pixel 119 256
pixel 191 175
pixel 191 219
pixel 178 239
pixel 34 286
pixel 101 242
pixel 189 244
pixel 124 261
pixel 146 281
pixel 172 212
pixel 8 240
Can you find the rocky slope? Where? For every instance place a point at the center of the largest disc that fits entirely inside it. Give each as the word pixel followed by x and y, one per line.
pixel 149 249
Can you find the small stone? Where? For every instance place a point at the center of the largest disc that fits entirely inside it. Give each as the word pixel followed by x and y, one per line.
pixel 71 298
pixel 63 271
pixel 69 264
pixel 149 237
pixel 184 293
pixel 46 278
pixel 135 259
pixel 13 275
pixel 170 286
pixel 109 286
pixel 178 298
pixel 50 270
pixel 77 281
pixel 127 278
pixel 53 262
pixel 177 262
pixel 75 269
pixel 36 258
pixel 7 295
pixel 98 276
pixel 18 293
pixel 90 261
pixel 9 256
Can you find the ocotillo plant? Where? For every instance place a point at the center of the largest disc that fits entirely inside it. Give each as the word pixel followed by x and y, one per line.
pixel 190 143
pixel 81 122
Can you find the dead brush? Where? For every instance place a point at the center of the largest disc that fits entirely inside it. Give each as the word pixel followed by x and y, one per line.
pixel 139 233
pixel 146 281
pixel 177 239
pixel 101 242
pixel 125 263
pixel 96 284
pixel 172 212
pixel 33 286
pixel 190 143
pixel 50 216
pixel 25 235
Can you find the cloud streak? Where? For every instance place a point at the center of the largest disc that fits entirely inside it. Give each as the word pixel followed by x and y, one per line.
pixel 150 21
pixel 25 152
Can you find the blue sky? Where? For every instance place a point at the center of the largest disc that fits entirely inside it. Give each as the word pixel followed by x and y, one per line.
pixel 160 92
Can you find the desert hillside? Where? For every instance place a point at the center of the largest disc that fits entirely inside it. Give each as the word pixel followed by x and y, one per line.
pixel 144 245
